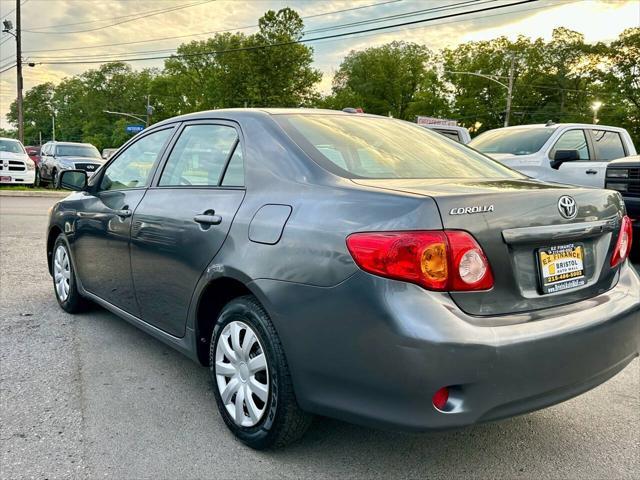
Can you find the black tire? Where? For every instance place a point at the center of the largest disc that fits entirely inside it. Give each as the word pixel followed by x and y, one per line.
pixel 37 182
pixel 74 303
pixel 54 179
pixel 283 422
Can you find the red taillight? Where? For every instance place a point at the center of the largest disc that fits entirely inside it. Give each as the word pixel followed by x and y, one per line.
pixel 623 245
pixel 437 260
pixel 440 398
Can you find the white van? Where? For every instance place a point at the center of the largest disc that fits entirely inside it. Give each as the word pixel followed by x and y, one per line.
pixel 571 153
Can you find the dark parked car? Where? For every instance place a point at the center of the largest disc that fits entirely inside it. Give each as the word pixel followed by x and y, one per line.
pixel 623 175
pixel 59 156
pixel 353 266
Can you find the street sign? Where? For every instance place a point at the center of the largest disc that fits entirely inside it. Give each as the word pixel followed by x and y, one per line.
pixel 134 128
pixel 435 121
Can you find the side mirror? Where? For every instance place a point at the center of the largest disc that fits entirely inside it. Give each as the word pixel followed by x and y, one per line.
pixel 75 180
pixel 561 156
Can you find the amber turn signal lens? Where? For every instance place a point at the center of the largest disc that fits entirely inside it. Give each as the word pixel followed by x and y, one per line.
pixel 434 262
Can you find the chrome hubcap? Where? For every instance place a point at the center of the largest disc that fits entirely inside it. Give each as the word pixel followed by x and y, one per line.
pixel 61 272
pixel 241 374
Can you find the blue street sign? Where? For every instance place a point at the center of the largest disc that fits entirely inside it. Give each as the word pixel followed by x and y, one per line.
pixel 134 128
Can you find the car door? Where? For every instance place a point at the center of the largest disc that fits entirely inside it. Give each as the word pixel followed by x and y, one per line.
pixel 607 146
pixel 184 219
pixel 575 172
pixel 103 224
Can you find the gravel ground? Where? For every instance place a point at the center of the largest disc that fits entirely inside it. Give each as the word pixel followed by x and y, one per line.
pixel 89 396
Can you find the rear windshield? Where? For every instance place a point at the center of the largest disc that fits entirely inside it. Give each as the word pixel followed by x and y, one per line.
pixel 12 146
pixel 514 141
pixel 77 151
pixel 370 147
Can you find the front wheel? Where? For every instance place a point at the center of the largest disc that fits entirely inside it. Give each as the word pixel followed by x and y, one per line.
pixel 64 279
pixel 253 387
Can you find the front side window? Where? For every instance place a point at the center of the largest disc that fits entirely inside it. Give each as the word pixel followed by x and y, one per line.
pixel 608 145
pixel 132 168
pixel 573 140
pixel 512 141
pixel 371 147
pixel 199 156
pixel 88 151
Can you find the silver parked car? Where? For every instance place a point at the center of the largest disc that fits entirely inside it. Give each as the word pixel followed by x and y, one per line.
pixel 352 266
pixel 58 156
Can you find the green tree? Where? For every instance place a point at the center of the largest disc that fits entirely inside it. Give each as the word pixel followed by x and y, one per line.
pixel 37 113
pixel 391 79
pixel 620 89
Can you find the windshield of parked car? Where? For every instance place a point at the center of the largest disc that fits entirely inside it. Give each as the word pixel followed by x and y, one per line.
pixel 370 147
pixel 514 141
pixel 12 146
pixel 88 151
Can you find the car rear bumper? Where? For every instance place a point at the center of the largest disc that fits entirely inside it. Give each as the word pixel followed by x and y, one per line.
pixel 374 351
pixel 18 178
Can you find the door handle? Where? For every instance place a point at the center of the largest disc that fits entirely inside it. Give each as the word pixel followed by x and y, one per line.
pixel 124 213
pixel 591 172
pixel 206 219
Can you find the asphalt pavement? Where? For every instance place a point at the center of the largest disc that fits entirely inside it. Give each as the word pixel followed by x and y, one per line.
pixel 89 396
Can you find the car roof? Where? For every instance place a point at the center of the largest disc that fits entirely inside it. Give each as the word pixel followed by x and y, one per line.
pixel 560 125
pixel 71 143
pixel 9 138
pixel 248 113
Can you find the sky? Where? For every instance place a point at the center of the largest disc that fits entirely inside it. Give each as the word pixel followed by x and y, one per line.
pixel 70 28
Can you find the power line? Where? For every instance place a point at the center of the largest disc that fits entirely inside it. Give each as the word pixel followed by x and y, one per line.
pixel 293 42
pixel 8 68
pixel 207 33
pixel 335 27
pixel 9 13
pixel 160 10
pixel 172 9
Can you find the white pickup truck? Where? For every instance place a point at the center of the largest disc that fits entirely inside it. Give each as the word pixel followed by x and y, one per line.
pixel 571 153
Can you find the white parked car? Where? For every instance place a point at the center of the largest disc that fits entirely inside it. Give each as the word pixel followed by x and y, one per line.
pixel 459 134
pixel 571 153
pixel 15 165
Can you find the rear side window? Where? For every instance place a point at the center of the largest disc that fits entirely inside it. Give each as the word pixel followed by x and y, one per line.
pixel 573 140
pixel 449 134
pixel 372 147
pixel 608 145
pixel 199 156
pixel 234 176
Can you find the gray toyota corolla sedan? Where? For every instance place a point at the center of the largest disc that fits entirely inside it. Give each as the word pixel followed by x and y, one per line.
pixel 352 266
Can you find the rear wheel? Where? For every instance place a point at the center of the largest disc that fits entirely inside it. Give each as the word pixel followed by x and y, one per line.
pixel 252 384
pixel 36 180
pixel 64 279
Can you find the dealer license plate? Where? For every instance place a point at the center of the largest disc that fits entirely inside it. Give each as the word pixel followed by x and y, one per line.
pixel 561 267
pixel 5 179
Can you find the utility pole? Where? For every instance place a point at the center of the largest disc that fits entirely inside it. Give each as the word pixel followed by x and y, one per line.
pixel 149 111
pixel 53 125
pixel 509 91
pixel 7 27
pixel 19 73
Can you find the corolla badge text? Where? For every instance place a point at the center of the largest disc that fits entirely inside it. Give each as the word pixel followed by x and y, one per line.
pixel 470 210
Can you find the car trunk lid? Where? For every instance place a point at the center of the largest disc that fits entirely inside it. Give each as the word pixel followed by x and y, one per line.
pixel 513 220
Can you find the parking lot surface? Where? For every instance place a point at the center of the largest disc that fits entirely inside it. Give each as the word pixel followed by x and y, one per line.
pixel 89 396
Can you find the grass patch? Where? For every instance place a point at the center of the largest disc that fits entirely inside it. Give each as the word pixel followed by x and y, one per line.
pixel 25 188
